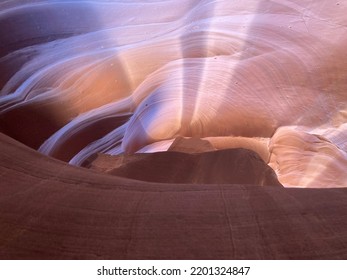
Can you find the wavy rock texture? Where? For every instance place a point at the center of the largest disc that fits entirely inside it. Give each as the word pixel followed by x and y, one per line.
pixel 109 84
pixel 87 77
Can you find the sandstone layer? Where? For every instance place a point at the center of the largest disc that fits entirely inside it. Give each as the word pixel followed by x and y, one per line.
pixel 51 210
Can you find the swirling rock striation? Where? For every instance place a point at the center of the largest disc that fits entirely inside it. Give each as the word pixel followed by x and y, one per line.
pixel 245 71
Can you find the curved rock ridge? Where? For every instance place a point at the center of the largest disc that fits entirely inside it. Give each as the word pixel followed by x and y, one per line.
pixel 232 166
pixel 52 210
pixel 86 77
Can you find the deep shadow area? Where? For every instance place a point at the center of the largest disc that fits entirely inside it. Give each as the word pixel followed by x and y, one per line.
pixel 231 166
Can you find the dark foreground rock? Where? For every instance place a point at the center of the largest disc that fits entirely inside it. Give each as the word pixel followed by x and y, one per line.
pixel 50 210
pixel 231 166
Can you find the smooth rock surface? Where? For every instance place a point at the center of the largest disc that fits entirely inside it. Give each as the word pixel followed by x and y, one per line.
pixel 50 210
